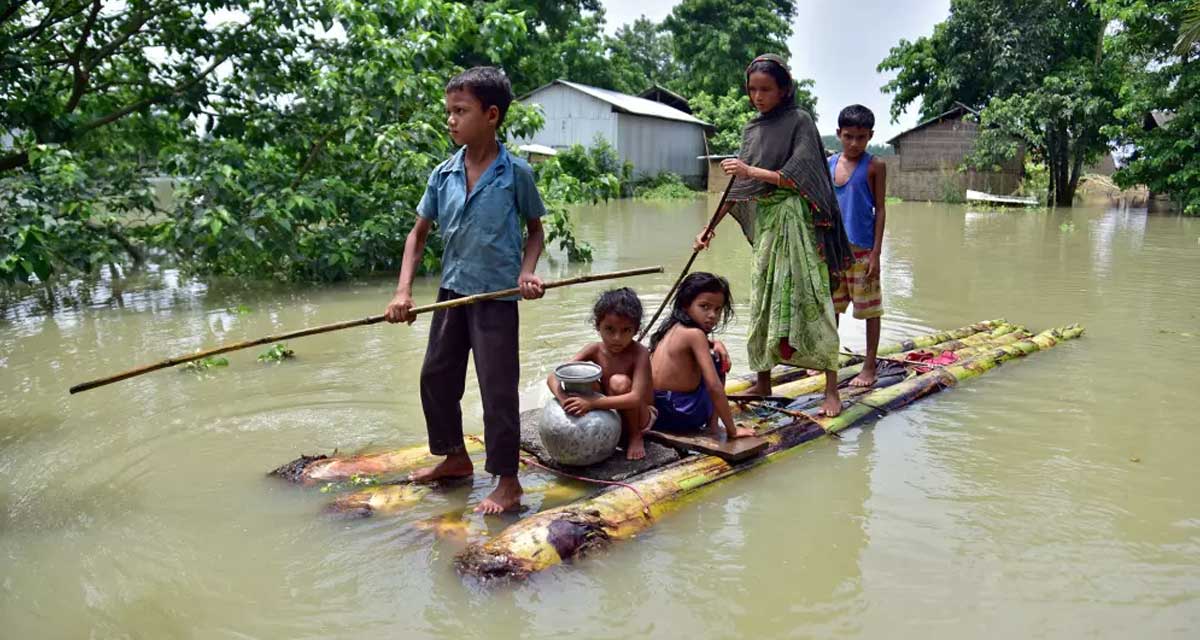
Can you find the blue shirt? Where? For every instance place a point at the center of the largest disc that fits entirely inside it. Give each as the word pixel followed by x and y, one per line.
pixel 481 231
pixel 856 202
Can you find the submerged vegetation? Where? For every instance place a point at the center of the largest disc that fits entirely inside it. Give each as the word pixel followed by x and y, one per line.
pixel 276 354
pixel 664 186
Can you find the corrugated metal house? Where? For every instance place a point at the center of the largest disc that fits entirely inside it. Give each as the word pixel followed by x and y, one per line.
pixel 653 136
pixel 929 156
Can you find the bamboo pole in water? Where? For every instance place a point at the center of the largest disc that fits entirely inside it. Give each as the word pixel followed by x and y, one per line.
pixel 309 470
pixel 336 326
pixel 563 533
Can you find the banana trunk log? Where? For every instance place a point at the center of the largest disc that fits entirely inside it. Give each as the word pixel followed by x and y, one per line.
pixel 321 469
pixel 391 499
pixel 564 533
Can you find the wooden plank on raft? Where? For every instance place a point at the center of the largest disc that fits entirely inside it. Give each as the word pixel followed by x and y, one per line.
pixel 729 450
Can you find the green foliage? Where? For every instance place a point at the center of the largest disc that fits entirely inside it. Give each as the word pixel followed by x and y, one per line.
pixel 578 175
pixel 1036 181
pixel 65 215
pixel 1157 77
pixel 640 55
pixel 1067 227
pixel 664 186
pixel 204 364
pixel 1189 30
pixel 277 353
pixel 987 48
pixel 714 40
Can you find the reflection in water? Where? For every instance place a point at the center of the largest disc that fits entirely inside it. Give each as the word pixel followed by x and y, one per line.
pixel 1009 507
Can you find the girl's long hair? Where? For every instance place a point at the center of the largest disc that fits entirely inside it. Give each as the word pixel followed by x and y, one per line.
pixel 691 287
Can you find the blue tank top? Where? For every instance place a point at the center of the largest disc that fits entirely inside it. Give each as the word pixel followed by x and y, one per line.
pixel 856 202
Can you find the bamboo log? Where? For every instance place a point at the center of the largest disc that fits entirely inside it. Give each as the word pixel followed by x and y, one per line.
pixel 784 373
pixel 336 326
pixel 571 531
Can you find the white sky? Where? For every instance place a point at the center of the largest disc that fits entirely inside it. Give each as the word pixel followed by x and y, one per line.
pixel 837 43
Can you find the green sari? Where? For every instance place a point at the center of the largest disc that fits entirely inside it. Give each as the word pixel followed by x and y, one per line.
pixel 790 297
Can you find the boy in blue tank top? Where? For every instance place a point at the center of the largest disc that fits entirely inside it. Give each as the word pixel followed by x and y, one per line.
pixel 860 183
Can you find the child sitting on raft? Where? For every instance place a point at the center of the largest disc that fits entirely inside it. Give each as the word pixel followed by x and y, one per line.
pixel 688 368
pixel 624 369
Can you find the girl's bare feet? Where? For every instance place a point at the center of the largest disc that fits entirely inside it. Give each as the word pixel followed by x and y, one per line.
pixel 761 387
pixel 506 496
pixel 832 405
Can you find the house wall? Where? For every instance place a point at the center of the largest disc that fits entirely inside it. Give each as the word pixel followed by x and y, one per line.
pixel 926 165
pixel 655 145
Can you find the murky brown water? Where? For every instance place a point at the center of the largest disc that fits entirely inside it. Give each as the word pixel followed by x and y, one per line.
pixel 1010 507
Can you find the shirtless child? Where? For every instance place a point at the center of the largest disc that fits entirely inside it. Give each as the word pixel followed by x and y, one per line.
pixel 624 366
pixel 689 392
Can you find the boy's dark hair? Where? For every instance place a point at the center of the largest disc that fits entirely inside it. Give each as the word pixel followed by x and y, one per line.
pixel 621 302
pixel 856 115
pixel 781 76
pixel 489 85
pixel 691 287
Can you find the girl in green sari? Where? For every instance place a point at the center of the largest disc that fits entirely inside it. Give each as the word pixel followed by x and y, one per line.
pixel 782 196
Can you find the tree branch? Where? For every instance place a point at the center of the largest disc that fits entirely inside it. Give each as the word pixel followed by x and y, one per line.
pixel 11 9
pixel 79 85
pixel 178 90
pixel 131 27
pixel 49 21
pixel 313 153
pixel 14 160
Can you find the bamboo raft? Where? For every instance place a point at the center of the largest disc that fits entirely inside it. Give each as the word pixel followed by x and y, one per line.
pixel 587 519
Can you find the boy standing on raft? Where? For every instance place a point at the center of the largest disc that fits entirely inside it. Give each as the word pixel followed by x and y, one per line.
pixel 479 198
pixel 782 196
pixel 861 187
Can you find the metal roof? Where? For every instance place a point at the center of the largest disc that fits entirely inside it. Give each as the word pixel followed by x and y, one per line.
pixel 626 103
pixel 958 108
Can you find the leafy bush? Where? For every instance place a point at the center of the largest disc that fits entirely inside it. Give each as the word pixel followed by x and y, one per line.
pixel 664 186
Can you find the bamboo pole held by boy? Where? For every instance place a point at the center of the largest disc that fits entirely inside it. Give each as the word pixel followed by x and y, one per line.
pixel 457 302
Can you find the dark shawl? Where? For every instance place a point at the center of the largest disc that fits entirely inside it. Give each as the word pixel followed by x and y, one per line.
pixel 786 140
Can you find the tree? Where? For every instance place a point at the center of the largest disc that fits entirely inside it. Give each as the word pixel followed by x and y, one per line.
pixel 1159 74
pixel 303 160
pixel 714 40
pixel 92 91
pixel 987 48
pixel 641 56
pixel 1035 68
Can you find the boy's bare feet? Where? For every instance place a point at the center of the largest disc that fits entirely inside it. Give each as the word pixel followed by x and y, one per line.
pixel 506 496
pixel 456 465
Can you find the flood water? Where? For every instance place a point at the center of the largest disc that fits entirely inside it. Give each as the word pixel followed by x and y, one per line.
pixel 1053 497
